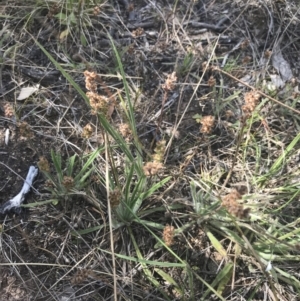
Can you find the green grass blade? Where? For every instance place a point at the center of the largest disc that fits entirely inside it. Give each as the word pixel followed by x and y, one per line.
pixel 169 280
pixel 70 165
pixel 83 181
pixel 216 244
pixel 146 270
pixel 155 187
pixel 149 262
pixel 280 161
pixel 41 203
pixel 87 164
pixel 221 279
pixel 225 276
pixel 120 65
pixel 128 183
pixel 64 73
pixel 87 231
pixel 56 158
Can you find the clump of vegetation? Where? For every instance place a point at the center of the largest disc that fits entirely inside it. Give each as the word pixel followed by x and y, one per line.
pixel 68 178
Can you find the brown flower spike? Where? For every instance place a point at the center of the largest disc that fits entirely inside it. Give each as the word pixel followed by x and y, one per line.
pixel 230 202
pixel 159 151
pixel 211 81
pixel 43 164
pixel 87 131
pixel 25 130
pixel 168 235
pixel 170 82
pixel 68 182
pixel 152 168
pixel 251 101
pixel 115 198
pixel 125 131
pixel 99 103
pixel 8 110
pixel 91 79
pixel 207 124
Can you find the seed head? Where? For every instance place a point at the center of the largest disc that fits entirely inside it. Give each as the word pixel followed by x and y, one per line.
pixel 87 131
pixel 168 235
pixel 43 164
pixel 68 182
pixel 251 101
pixel 230 202
pixel 170 82
pixel 125 131
pixel 152 168
pixel 115 198
pixel 25 130
pixel 8 110
pixel 207 124
pixel 211 82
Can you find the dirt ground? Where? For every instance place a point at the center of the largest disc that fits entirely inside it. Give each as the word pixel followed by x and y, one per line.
pixel 41 257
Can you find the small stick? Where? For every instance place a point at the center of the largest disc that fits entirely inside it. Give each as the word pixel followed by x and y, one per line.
pixel 258 91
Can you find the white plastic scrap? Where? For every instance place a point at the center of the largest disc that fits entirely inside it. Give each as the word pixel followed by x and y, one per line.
pixel 27 92
pixel 16 202
pixel 7 134
pixel 269 266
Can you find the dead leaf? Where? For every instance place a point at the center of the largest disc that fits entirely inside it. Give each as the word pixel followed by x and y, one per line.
pixel 26 92
pixel 63 35
pixel 281 65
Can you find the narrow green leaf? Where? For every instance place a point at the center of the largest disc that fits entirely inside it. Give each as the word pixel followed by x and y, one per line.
pixel 36 204
pixel 87 231
pixel 129 104
pixel 227 270
pixel 156 187
pixel 225 276
pixel 56 158
pixel 149 262
pixel 87 164
pixel 216 244
pixel 146 271
pixel 278 163
pixel 146 212
pixel 83 179
pixel 83 40
pixel 288 278
pixel 233 236
pixel 128 182
pixel 64 73
pixel 169 279
pixel 152 224
pixel 70 165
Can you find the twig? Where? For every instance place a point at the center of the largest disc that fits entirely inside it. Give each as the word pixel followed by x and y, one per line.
pixel 110 218
pixel 160 117
pixel 206 25
pixel 258 91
